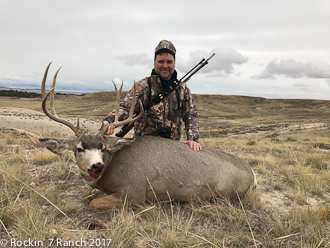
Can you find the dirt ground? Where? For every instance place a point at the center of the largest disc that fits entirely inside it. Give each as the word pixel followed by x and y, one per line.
pixel 37 124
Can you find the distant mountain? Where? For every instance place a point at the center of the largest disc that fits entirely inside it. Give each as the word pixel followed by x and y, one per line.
pixel 60 90
pixel 21 89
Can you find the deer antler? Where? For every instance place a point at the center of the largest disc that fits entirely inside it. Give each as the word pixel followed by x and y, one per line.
pixel 130 118
pixel 53 115
pixel 43 89
pixel 43 84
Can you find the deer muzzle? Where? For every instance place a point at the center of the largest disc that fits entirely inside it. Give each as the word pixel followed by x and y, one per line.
pixel 96 170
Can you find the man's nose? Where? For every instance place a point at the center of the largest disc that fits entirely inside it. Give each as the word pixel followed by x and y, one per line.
pixel 165 65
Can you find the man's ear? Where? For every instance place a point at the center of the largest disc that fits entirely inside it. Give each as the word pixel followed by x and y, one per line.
pixel 113 145
pixel 58 146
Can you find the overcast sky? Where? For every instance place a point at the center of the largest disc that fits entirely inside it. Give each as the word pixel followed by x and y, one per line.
pixel 272 49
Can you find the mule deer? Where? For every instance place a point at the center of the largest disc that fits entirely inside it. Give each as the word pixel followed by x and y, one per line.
pixel 148 167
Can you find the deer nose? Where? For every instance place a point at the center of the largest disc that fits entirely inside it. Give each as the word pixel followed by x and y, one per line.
pixel 98 167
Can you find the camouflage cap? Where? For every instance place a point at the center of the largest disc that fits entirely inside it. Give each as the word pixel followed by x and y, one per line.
pixel 165 46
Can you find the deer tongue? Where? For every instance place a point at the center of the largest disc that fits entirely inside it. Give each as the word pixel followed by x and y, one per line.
pixel 94 173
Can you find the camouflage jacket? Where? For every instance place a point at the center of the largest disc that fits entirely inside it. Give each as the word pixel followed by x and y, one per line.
pixel 164 118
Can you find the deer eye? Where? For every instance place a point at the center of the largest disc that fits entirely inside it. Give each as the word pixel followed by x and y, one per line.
pixel 80 150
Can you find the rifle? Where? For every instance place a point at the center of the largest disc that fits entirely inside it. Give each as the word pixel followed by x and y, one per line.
pixel 199 66
pixel 189 74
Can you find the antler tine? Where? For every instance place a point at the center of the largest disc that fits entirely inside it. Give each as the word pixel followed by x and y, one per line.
pixel 77 131
pixel 70 125
pixel 130 119
pixel 102 129
pixel 43 84
pixel 52 105
pixel 118 93
pixel 131 111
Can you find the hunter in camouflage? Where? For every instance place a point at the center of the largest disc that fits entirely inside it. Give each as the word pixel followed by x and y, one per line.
pixel 162 118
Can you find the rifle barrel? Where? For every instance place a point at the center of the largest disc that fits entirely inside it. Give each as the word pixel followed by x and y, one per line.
pixel 192 69
pixel 210 57
pixel 200 66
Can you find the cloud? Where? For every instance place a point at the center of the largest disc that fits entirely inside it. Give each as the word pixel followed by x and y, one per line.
pixel 318 69
pixel 222 64
pixel 10 79
pixel 294 69
pixel 116 80
pixel 136 59
pixel 302 85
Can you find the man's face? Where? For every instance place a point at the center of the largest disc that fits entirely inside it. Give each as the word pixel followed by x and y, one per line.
pixel 164 65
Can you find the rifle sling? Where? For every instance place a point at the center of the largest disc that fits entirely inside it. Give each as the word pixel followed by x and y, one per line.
pixel 165 92
pixel 126 128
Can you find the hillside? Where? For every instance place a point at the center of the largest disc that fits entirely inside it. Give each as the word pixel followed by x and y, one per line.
pixel 227 106
pixel 219 114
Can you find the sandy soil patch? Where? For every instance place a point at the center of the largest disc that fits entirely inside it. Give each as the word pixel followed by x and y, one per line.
pixel 306 127
pixel 38 124
pixel 20 111
pixel 275 200
pixel 284 129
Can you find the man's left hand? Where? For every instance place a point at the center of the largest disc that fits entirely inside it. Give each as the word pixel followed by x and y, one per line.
pixel 193 145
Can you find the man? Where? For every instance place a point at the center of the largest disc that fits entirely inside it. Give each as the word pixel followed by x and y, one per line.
pixel 163 114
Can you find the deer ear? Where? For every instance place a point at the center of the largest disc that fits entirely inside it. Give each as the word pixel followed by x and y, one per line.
pixel 116 144
pixel 57 146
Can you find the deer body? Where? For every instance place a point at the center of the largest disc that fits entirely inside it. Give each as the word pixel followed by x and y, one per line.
pixel 150 168
pixel 167 168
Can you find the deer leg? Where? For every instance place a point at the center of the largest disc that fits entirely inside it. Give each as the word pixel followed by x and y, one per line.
pixel 110 201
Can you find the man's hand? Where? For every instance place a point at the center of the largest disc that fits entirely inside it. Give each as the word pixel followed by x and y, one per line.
pixel 110 130
pixel 193 145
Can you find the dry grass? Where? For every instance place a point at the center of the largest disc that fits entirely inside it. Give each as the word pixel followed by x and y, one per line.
pixel 43 197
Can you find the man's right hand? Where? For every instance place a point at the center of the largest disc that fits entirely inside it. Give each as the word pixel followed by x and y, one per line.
pixel 110 130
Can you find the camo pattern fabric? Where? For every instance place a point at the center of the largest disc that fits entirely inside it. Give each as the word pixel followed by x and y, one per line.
pixel 163 119
pixel 165 44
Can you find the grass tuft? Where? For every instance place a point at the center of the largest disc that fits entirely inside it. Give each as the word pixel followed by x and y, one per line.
pixel 43 157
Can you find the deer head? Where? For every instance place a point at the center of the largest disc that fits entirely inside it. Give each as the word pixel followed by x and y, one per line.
pixel 89 149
